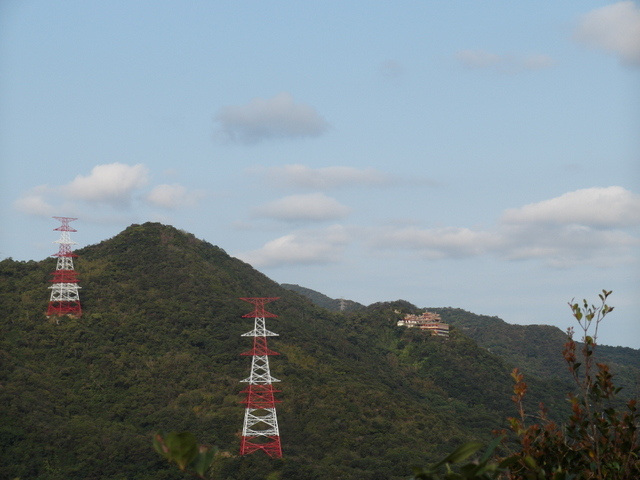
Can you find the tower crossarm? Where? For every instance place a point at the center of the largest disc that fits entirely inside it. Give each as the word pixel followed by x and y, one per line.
pixel 260 348
pixel 65 227
pixel 260 329
pixel 255 333
pixel 259 310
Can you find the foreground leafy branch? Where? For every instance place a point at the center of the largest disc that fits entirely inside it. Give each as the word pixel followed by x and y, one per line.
pixel 484 468
pixel 182 449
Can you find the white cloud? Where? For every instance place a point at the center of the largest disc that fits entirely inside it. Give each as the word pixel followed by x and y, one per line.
pixel 309 207
pixel 594 226
pixel 537 62
pixel 302 176
pixel 173 196
pixel 503 63
pixel 568 245
pixel 598 207
pixel 613 28
pixel 451 242
pixel 260 119
pixel 111 184
pixel 478 58
pixel 34 203
pixel 308 247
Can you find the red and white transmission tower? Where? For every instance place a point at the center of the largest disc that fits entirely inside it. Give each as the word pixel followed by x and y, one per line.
pixel 260 429
pixel 64 291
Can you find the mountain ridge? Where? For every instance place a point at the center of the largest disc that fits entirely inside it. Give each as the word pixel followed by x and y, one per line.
pixel 159 345
pixel 535 349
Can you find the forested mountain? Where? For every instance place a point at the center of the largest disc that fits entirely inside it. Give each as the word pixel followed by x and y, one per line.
pixel 158 348
pixel 535 349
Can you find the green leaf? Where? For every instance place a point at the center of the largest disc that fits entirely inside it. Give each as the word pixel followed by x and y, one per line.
pixel 507 462
pixel 530 462
pixel 203 461
pixel 491 448
pixel 159 445
pixel 462 452
pixel 182 447
pixel 423 474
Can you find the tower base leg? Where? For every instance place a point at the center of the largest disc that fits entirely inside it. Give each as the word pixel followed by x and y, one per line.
pixel 272 447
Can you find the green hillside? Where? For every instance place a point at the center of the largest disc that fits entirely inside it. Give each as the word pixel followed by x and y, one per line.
pixel 158 348
pixel 535 349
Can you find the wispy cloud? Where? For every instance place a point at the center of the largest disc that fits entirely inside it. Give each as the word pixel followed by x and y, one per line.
pixel 327 178
pixel 391 68
pixel 447 242
pixel 34 203
pixel 303 247
pixel 569 245
pixel 265 119
pixel 503 63
pixel 308 207
pixel 592 226
pixel 615 29
pixel 173 196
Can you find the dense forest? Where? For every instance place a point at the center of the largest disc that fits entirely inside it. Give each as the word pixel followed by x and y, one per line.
pixel 158 348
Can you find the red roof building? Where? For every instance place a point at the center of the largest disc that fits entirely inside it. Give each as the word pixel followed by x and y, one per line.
pixel 427 321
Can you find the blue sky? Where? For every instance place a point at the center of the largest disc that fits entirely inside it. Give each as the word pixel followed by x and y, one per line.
pixel 481 155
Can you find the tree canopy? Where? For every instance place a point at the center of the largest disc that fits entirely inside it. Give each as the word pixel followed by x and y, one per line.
pixel 158 348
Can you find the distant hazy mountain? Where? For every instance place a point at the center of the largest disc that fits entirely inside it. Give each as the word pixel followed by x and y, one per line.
pixel 333 304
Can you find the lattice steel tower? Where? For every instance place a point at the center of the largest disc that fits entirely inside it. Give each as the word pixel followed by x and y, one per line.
pixel 64 291
pixel 260 429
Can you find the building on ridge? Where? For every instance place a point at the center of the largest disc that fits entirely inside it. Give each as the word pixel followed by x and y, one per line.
pixel 427 321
